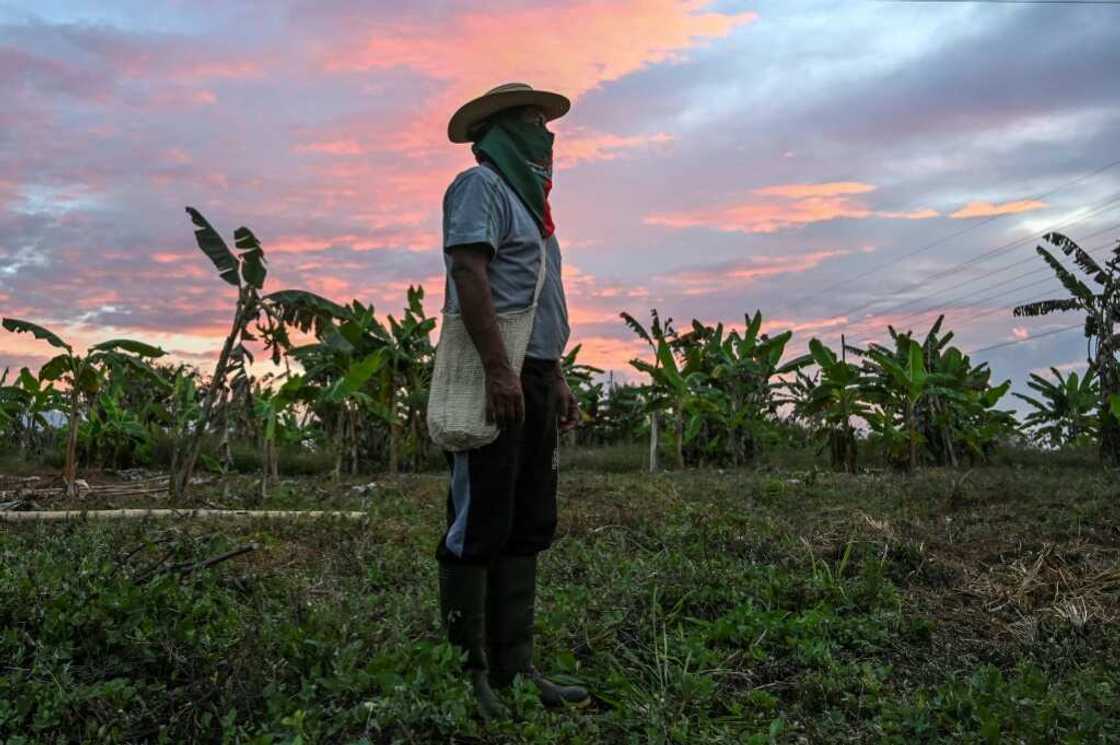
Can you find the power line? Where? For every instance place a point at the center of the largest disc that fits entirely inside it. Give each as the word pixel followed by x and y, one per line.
pixel 987 254
pixel 967 229
pixel 1027 260
pixel 1029 338
pixel 956 302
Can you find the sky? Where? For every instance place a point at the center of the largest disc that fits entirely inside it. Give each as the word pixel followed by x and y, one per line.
pixel 833 165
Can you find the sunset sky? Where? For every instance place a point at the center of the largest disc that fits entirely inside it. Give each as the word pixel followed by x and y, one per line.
pixel 829 163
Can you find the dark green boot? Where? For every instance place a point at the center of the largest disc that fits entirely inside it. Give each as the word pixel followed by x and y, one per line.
pixel 462 602
pixel 510 601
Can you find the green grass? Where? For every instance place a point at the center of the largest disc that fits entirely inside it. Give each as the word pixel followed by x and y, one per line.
pixel 758 606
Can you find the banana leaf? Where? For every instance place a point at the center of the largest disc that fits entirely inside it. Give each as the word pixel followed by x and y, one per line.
pixel 253 269
pixel 138 348
pixel 17 326
pixel 215 248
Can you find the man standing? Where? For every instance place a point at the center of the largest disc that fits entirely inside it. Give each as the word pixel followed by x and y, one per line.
pixel 501 507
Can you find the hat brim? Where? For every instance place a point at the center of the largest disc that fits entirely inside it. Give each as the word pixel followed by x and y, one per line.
pixel 473 112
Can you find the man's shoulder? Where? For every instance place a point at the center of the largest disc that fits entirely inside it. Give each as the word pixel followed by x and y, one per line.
pixel 477 175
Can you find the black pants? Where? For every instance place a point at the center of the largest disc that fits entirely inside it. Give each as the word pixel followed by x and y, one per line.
pixel 502 498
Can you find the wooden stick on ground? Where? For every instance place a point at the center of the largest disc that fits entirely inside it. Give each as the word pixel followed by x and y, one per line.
pixel 125 514
pixel 187 568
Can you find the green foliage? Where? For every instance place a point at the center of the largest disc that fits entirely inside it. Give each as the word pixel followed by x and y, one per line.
pixel 830 401
pixel 718 388
pixel 24 327
pixel 930 402
pixel 1102 312
pixel 211 244
pixel 699 608
pixel 989 706
pixel 1066 413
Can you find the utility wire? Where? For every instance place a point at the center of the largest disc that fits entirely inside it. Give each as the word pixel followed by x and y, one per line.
pixel 959 233
pixel 984 256
pixel 956 302
pixel 1027 260
pixel 1029 338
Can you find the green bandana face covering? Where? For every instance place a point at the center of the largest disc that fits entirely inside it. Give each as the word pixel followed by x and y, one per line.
pixel 522 153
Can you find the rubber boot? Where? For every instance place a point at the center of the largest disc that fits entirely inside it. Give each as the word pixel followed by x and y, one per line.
pixel 462 602
pixel 510 602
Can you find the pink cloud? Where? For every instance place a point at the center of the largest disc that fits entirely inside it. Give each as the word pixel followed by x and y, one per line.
pixel 774 208
pixel 713 279
pixel 583 146
pixel 987 209
pixel 231 69
pixel 808 191
pixel 922 214
pixel 333 147
pixel 613 40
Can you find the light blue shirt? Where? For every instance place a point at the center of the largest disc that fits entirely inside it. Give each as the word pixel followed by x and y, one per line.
pixel 479 207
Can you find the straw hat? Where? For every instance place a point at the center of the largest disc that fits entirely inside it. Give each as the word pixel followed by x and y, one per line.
pixel 508 96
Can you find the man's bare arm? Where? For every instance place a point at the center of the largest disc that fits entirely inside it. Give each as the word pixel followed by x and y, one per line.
pixel 505 404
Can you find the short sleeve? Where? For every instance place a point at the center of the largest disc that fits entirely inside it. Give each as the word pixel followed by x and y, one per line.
pixel 472 211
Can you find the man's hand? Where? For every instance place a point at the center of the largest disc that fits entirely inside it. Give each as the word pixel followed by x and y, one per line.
pixel 567 405
pixel 505 403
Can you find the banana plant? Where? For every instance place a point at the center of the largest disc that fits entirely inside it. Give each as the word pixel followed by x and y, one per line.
pixel 619 414
pixel 836 396
pixel 24 405
pixel 112 433
pixel 671 389
pixel 338 369
pixel 720 387
pixel 84 374
pixel 747 372
pixel 246 270
pixel 405 377
pixel 899 388
pixel 1066 413
pixel 271 408
pixel 588 392
pixel 1101 309
pixel 655 399
pixel 968 420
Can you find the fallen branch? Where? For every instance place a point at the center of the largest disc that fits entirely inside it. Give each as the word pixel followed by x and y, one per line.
pixel 125 514
pixel 188 567
pixel 207 563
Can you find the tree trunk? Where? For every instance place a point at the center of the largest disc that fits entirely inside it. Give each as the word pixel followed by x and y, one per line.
pixel 394 430
pixel 653 442
pixel 225 448
pixel 265 469
pixel 339 444
pixel 912 435
pixel 181 480
pixel 70 469
pixel 417 446
pixel 946 438
pixel 354 443
pixel 679 426
pixel 1109 386
pixel 851 454
pixel 274 455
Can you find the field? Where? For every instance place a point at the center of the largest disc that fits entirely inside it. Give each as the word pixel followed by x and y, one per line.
pixel 768 605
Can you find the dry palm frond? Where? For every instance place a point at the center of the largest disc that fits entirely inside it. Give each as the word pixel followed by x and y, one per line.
pixel 1075 611
pixel 1025 629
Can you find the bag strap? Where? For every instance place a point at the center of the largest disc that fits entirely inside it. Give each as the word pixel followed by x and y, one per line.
pixel 541 271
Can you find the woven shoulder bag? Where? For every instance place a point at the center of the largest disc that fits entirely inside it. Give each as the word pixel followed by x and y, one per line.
pixel 457 398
